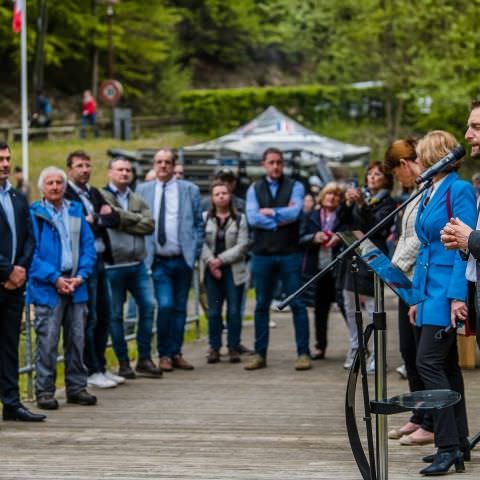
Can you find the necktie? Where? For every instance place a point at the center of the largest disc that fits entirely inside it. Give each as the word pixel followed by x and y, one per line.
pixel 161 235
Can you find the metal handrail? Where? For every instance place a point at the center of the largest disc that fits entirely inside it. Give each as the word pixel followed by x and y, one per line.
pixel 29 367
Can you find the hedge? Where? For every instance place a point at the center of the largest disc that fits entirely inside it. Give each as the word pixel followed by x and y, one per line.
pixel 215 112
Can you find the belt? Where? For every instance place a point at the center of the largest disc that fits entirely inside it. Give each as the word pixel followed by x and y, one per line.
pixel 163 257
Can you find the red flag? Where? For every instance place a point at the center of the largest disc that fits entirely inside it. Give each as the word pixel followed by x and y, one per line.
pixel 17 16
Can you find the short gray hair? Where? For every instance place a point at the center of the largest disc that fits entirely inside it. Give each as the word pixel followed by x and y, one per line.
pixel 46 172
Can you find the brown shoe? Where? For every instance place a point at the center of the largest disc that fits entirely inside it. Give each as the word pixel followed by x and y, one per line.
pixel 257 362
pixel 213 356
pixel 234 356
pixel 147 368
pixel 303 362
pixel 179 362
pixel 165 363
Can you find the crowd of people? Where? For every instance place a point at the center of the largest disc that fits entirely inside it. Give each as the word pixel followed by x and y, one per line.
pixel 78 251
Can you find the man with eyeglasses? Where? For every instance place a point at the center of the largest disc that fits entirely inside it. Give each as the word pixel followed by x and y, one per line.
pixel 171 253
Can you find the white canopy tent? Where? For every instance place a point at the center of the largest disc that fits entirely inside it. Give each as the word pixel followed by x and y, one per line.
pixel 274 129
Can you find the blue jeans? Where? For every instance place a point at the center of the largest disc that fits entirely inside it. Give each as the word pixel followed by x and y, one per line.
pixel 217 292
pixel 171 280
pixel 98 319
pixel 136 280
pixel 267 269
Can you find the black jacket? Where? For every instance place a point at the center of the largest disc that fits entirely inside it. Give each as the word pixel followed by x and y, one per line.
pixel 101 222
pixel 364 218
pixel 25 239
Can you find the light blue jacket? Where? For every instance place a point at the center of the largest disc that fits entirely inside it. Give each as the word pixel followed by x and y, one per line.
pixel 190 221
pixel 47 259
pixel 440 273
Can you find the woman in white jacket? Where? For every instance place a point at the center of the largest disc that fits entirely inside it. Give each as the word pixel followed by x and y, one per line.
pixel 225 271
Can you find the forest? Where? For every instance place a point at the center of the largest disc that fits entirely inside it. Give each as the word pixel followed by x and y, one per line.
pixel 417 51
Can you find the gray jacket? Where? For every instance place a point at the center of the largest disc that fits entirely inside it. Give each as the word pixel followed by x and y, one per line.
pixel 236 245
pixel 126 243
pixel 190 223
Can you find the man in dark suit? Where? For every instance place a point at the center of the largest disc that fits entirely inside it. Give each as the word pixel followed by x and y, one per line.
pixel 100 216
pixel 459 236
pixel 16 251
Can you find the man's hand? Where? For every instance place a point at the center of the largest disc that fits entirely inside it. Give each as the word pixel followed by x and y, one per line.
pixel 75 282
pixel 8 285
pixel 63 286
pixel 105 210
pixel 18 276
pixel 454 235
pixel 90 219
pixel 458 310
pixel 268 212
pixel 412 314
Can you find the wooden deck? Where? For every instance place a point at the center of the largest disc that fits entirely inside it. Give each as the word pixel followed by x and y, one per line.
pixel 218 422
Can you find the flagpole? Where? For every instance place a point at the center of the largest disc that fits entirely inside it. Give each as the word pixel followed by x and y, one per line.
pixel 24 87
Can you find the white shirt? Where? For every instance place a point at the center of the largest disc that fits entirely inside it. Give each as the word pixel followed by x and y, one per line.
pixel 471 272
pixel 171 246
pixel 122 197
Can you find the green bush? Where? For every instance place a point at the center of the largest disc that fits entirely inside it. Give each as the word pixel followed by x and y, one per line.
pixel 214 112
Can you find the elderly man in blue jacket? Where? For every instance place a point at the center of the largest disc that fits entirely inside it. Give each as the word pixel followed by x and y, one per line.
pixel 64 258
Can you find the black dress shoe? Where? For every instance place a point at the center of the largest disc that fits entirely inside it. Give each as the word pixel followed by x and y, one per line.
pixel 443 461
pixel 21 413
pixel 82 398
pixel 125 370
pixel 147 368
pixel 243 350
pixel 47 402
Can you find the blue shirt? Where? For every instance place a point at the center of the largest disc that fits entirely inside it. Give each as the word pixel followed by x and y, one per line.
pixel 288 214
pixel 122 197
pixel 6 202
pixel 60 219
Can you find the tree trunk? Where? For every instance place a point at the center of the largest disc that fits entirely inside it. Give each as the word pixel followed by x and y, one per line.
pixel 39 56
pixel 94 53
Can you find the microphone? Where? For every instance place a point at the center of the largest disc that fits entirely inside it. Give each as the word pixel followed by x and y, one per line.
pixel 455 154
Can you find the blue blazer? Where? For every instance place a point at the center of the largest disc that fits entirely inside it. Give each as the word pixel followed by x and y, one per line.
pixel 190 221
pixel 47 259
pixel 440 273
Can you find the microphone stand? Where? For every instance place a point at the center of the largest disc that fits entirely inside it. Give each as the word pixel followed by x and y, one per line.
pixel 367 469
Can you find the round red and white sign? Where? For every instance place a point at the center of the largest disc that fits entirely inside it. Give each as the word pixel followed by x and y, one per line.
pixel 110 92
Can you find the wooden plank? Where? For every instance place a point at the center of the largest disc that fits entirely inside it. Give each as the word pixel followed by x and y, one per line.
pixel 219 422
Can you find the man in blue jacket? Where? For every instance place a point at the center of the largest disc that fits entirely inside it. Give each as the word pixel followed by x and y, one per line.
pixel 63 260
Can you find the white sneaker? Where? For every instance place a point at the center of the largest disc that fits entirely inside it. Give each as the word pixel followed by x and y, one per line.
pixel 114 378
pixel 402 371
pixel 371 364
pixel 100 381
pixel 349 358
pixel 272 324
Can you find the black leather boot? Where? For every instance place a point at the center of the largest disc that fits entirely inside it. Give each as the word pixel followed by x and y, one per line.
pixel 443 461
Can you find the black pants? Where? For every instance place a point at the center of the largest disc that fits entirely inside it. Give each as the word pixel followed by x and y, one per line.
pixel 437 364
pixel 324 296
pixel 409 335
pixel 473 314
pixel 11 307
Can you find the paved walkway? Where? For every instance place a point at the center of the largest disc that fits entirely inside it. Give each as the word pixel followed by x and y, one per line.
pixel 217 422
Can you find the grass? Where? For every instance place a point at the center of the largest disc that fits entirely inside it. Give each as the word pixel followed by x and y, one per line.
pixel 54 153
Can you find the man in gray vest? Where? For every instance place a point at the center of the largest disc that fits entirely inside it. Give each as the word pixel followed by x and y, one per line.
pixel 459 236
pixel 274 204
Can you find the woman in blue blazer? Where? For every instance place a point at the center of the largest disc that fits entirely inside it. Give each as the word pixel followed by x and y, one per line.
pixel 440 275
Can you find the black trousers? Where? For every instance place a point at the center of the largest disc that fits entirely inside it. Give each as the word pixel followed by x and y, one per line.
pixel 437 364
pixel 325 293
pixel 473 314
pixel 11 307
pixel 409 336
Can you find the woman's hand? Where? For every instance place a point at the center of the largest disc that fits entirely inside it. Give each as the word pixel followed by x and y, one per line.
pixel 412 314
pixel 319 237
pixel 333 242
pixel 458 310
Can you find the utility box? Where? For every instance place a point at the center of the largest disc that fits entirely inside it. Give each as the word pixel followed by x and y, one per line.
pixel 122 123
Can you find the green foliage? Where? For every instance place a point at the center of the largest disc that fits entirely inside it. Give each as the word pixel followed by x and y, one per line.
pixel 218 111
